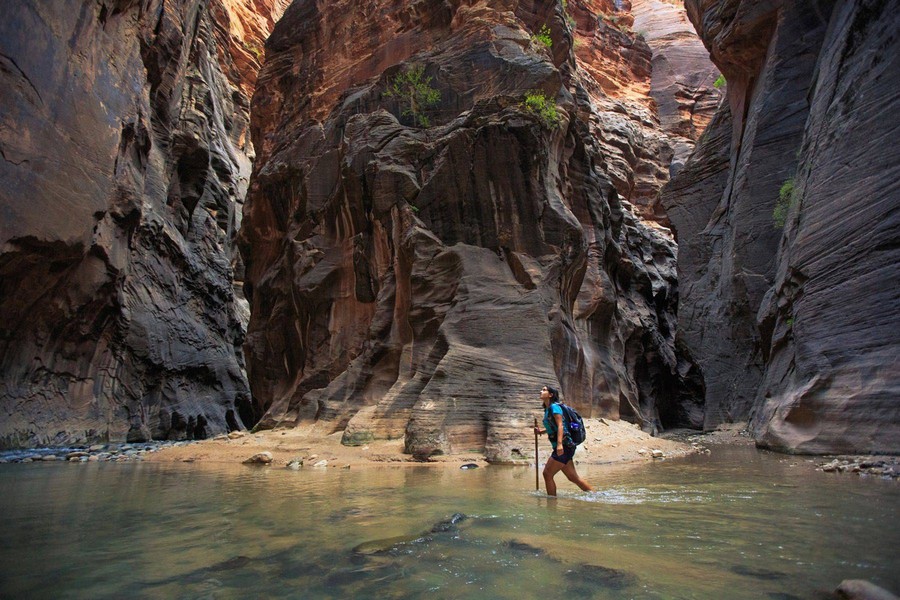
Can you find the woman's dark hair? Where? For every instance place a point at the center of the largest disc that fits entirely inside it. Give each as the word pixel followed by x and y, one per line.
pixel 554 394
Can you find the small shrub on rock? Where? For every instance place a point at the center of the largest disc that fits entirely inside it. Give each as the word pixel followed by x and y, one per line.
pixel 786 201
pixel 543 107
pixel 543 37
pixel 415 94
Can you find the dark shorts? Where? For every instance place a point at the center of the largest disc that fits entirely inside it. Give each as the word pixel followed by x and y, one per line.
pixel 568 454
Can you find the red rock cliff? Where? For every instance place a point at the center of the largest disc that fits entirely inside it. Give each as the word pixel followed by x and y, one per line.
pixel 426 282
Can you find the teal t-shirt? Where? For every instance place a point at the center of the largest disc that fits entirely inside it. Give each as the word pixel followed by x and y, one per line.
pixel 550 424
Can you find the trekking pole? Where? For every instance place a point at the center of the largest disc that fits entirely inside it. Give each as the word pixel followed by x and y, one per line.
pixel 537 485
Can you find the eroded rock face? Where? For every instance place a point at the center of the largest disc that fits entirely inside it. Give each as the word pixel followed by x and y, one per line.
pixel 125 159
pixel 426 283
pixel 798 327
pixel 682 76
pixel 650 80
pixel 830 324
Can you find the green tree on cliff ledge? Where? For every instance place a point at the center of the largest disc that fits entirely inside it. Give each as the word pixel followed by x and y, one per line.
pixel 414 93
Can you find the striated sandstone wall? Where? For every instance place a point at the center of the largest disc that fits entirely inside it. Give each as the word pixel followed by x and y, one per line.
pixel 425 283
pixel 796 327
pixel 650 79
pixel 125 157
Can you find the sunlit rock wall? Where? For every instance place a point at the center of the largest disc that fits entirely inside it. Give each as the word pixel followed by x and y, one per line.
pixel 425 283
pixel 125 157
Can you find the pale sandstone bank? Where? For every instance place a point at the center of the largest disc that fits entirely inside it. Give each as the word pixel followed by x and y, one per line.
pixel 609 442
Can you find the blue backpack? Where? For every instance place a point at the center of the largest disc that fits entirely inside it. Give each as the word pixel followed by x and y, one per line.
pixel 574 424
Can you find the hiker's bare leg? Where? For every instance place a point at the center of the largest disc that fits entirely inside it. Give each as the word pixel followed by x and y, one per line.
pixel 550 469
pixel 570 472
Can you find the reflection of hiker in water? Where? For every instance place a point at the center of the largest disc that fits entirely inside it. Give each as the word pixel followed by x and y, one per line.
pixel 563 448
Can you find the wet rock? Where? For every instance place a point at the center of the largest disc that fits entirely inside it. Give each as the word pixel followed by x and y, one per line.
pixel 657 453
pixel 231 564
pixel 468 466
pixel 524 548
pixel 450 524
pixel 385 546
pixel 591 577
pixel 757 573
pixel 261 458
pixel 860 589
pixel 295 464
pixel 321 463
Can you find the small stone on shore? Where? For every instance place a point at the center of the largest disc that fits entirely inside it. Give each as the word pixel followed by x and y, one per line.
pixel 261 458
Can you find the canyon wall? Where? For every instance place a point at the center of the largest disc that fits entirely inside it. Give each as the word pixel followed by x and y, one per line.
pixel 425 282
pixel 125 158
pixel 796 325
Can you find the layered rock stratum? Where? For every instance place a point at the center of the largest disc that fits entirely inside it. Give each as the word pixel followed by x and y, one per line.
pixel 797 327
pixel 424 283
pixel 125 158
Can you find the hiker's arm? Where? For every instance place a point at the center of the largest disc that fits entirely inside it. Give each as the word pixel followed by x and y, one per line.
pixel 540 431
pixel 559 432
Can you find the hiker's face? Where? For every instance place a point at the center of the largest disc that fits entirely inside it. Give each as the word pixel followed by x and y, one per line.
pixel 545 395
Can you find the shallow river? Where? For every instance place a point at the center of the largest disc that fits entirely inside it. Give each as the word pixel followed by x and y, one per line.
pixel 735 524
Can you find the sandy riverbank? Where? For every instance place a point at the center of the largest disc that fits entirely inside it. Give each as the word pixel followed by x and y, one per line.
pixel 609 442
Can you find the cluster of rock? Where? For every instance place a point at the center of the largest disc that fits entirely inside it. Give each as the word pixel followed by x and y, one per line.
pixel 93 453
pixel 797 328
pixel 265 458
pixel 887 467
pixel 125 159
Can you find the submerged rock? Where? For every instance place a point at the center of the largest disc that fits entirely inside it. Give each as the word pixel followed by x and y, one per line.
pixel 387 545
pixel 757 573
pixel 584 578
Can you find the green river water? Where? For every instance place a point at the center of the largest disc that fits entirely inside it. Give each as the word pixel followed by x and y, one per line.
pixel 738 523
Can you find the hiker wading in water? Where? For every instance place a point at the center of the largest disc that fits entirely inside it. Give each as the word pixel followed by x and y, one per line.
pixel 563 448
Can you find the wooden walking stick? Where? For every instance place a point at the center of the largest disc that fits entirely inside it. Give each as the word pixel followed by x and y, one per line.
pixel 537 485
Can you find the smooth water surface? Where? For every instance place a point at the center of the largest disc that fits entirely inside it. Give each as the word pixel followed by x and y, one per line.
pixel 736 524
